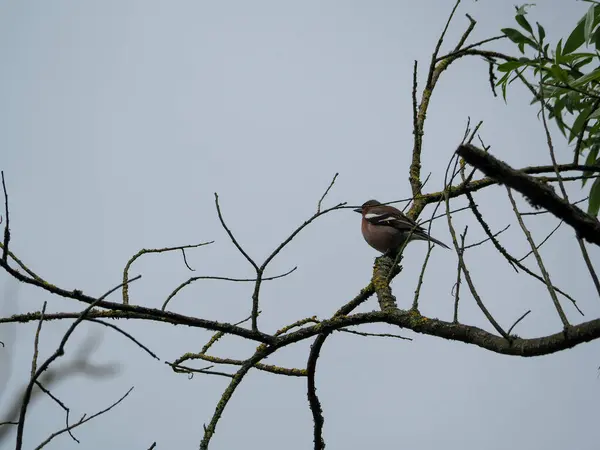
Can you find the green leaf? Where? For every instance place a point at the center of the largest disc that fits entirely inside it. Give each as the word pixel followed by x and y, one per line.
pixel 596 38
pixel 594 202
pixel 589 24
pixel 559 73
pixel 557 108
pixel 590 160
pixel 568 59
pixel 514 35
pixel 595 114
pixel 509 66
pixel 575 39
pixel 579 64
pixel 541 32
pixel 594 75
pixel 518 38
pixel 521 20
pixel 558 52
pixel 579 122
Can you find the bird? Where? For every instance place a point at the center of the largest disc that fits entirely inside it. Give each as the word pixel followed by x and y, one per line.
pixel 386 228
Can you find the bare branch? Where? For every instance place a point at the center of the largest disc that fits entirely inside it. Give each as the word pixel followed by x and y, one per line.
pixel 219 334
pixel 60 351
pixel 565 339
pixel 6 225
pixel 326 192
pixel 242 280
pixel 260 270
pixel 209 430
pixel 293 372
pixel 126 311
pixel 538 258
pixel 185 261
pixel 231 236
pixel 384 335
pixel 124 333
pixel 530 252
pixel 588 263
pixel 83 420
pixel 178 368
pixel 62 405
pixel 23 266
pixel 152 250
pixel 36 342
pixel 313 399
pixel 463 265
pixel 464 50
pixel 517 321
pixel 538 194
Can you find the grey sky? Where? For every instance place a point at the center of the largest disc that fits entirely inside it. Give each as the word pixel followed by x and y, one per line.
pixel 120 119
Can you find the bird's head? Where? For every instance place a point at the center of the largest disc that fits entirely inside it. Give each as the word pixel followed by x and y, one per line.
pixel 366 205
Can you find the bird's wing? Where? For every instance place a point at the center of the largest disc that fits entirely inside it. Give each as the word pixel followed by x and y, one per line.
pixel 392 219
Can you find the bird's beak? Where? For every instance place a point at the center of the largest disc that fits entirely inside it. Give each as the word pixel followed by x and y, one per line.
pixel 358 210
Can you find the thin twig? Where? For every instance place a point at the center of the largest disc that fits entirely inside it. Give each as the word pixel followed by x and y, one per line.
pixel 463 266
pixel 296 324
pixel 260 270
pixel 543 241
pixel 190 370
pixel 537 193
pixel 540 263
pixel 588 263
pixel 363 333
pixel 469 47
pixel 23 266
pixel 185 261
pixel 277 370
pixel 483 241
pixel 238 280
pixel 60 351
pixel 218 335
pixel 209 430
pixel 439 45
pixel 514 262
pixel 415 304
pixel 461 249
pixel 36 342
pixel 62 405
pixel 6 225
pixel 231 236
pixel 83 420
pixel 124 333
pixel 518 320
pixel 152 250
pixel 120 310
pixel 326 192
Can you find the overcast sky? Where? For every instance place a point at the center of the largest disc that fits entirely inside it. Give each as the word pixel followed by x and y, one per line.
pixel 119 120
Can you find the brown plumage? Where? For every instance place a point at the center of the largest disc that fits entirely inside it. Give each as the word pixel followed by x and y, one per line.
pixel 385 228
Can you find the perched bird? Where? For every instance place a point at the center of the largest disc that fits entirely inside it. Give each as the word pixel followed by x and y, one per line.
pixel 386 228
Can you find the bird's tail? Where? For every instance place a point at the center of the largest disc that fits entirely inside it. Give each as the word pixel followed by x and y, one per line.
pixel 426 237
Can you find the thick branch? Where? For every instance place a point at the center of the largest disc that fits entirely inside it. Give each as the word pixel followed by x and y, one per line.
pixel 539 194
pixel 131 311
pixel 516 346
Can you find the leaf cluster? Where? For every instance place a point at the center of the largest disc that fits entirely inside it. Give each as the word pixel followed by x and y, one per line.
pixel 566 79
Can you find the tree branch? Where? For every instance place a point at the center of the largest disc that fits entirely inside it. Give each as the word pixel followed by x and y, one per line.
pixel 539 195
